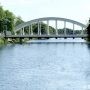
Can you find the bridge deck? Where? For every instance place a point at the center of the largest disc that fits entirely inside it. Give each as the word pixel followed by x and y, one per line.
pixel 45 36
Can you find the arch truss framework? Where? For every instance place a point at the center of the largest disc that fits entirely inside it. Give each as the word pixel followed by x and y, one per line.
pixel 29 24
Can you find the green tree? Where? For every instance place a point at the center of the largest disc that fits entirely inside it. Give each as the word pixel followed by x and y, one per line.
pixel 2 16
pixel 10 17
pixel 2 13
pixel 88 31
pixel 18 20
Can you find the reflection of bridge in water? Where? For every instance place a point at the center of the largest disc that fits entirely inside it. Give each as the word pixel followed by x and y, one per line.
pixel 20 31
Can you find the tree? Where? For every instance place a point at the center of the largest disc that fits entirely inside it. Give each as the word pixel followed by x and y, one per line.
pixel 9 20
pixel 2 15
pixel 88 31
pixel 18 20
pixel 10 17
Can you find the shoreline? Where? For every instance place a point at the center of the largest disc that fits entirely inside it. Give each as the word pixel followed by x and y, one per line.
pixel 5 42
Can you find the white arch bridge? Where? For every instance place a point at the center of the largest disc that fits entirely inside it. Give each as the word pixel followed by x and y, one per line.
pixel 25 30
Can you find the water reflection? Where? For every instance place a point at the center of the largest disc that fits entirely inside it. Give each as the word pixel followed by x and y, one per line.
pixel 87 72
pixel 88 45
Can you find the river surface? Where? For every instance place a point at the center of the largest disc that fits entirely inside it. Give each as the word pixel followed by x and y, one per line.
pixel 45 65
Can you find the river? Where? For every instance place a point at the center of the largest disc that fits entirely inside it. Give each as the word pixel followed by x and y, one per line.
pixel 54 64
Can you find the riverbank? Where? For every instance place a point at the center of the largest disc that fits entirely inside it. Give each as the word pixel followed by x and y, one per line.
pixel 2 41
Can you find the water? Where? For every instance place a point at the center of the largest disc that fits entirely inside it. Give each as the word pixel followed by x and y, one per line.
pixel 45 65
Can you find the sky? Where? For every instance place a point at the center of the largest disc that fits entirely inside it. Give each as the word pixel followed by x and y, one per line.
pixel 78 10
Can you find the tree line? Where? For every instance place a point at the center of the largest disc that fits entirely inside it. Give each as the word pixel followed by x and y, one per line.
pixel 8 20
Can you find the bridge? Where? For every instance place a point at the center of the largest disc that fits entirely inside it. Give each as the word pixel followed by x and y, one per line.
pixel 20 31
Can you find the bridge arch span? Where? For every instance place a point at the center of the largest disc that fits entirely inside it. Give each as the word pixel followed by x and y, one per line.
pixel 38 31
pixel 19 27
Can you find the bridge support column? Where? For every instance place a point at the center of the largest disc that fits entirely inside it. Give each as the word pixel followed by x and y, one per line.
pixel 48 27
pixel 31 30
pixel 56 27
pixel 82 31
pixel 20 31
pixel 65 28
pixel 73 29
pixel 40 28
pixel 23 31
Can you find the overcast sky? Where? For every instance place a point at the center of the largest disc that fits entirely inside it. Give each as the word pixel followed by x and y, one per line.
pixel 78 10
